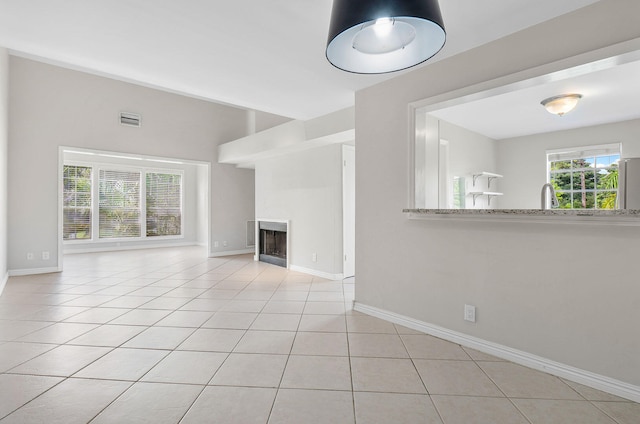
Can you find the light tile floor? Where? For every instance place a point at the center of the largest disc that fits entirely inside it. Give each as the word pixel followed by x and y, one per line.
pixel 168 336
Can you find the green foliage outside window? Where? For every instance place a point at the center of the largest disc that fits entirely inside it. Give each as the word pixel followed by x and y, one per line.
pixel 76 202
pixel 164 201
pixel 586 183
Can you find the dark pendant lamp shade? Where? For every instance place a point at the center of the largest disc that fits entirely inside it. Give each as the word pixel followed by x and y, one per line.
pixel 379 36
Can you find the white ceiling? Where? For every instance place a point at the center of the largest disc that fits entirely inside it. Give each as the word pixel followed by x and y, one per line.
pixel 610 95
pixel 258 54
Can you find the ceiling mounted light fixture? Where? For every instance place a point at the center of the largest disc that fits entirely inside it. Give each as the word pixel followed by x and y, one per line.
pixel 380 36
pixel 559 105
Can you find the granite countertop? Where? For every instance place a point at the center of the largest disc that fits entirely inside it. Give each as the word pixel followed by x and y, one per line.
pixel 631 213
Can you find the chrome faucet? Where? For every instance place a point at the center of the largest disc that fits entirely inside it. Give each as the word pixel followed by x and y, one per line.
pixel 548 197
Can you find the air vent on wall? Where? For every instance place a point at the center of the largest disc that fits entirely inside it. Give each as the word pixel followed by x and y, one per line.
pixel 130 119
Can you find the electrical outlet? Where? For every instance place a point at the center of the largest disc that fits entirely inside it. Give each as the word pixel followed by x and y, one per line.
pixel 45 255
pixel 216 244
pixel 470 313
pixel 29 256
pixel 314 257
pixel 224 243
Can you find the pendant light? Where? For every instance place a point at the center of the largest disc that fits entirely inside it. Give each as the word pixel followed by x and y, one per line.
pixel 559 105
pixel 380 36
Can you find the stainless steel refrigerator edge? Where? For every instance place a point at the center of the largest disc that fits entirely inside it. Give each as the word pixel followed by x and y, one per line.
pixel 629 184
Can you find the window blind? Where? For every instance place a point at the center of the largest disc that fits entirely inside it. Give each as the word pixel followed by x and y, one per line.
pixel 76 203
pixel 164 204
pixel 583 152
pixel 119 209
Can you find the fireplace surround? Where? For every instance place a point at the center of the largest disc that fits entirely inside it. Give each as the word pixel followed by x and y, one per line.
pixel 272 242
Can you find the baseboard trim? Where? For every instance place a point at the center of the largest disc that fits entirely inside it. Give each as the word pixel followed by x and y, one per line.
pixel 32 271
pixel 3 281
pixel 230 253
pixel 316 273
pixel 98 249
pixel 587 378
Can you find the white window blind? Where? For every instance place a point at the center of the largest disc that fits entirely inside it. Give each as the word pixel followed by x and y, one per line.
pixel 119 209
pixel 164 204
pixel 76 202
pixel 583 152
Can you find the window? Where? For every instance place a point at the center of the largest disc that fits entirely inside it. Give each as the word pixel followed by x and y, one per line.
pixel 119 204
pixel 164 204
pixel 76 203
pixel 133 203
pixel 585 178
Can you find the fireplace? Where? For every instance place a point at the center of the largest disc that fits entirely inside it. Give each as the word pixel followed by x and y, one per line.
pixel 272 242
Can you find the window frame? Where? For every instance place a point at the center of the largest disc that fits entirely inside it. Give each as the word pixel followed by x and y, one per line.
pixel 140 208
pixel 96 166
pixel 583 152
pixel 92 194
pixel 146 210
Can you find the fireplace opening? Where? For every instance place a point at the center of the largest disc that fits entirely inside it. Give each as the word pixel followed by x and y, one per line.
pixel 273 243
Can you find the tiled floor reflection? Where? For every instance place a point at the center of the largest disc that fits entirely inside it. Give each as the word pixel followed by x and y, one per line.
pixel 170 336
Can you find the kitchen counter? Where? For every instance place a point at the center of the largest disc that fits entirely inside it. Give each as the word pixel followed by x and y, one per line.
pixel 609 217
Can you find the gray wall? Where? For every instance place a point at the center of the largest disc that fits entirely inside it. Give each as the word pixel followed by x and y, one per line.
pixel 4 116
pixel 306 189
pixel 472 153
pixel 533 284
pixel 52 106
pixel 525 157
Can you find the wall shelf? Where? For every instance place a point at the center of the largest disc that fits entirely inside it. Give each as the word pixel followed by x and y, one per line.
pixel 489 195
pixel 490 176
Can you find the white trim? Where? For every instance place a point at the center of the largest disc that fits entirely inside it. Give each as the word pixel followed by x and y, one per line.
pixel 59 253
pixel 587 378
pixel 94 248
pixel 167 161
pixel 610 147
pixel 3 282
pixel 33 271
pixel 230 253
pixel 347 221
pixel 317 273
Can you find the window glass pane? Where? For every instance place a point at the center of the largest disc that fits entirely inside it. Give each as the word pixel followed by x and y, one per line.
pixel 560 164
pixel 76 203
pixel 583 163
pixel 119 204
pixel 564 200
pixel 606 161
pixel 607 179
pixel 607 199
pixel 584 200
pixel 583 180
pixel 561 180
pixel 164 204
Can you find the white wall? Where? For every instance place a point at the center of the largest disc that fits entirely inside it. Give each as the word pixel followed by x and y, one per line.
pixel 525 157
pixel 530 283
pixel 202 195
pixel 52 106
pixel 4 123
pixel 471 153
pixel 306 189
